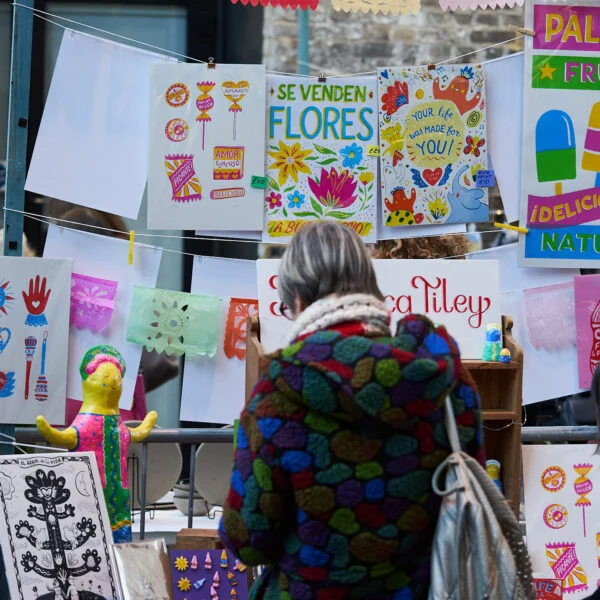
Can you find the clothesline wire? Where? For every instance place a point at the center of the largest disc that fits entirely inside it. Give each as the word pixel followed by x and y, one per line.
pixel 41 14
pixel 47 220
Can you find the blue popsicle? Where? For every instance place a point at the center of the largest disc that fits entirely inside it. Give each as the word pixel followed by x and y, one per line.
pixel 555 150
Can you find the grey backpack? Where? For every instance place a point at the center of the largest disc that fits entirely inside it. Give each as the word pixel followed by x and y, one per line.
pixel 478 549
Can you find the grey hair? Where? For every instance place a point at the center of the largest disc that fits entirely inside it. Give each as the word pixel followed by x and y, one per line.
pixel 325 258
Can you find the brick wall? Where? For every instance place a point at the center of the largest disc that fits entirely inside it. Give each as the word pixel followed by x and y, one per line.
pixel 349 43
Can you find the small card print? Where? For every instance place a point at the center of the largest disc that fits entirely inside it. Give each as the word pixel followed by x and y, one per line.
pixel 228 162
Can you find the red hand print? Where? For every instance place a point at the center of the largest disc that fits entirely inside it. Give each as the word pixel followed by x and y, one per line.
pixel 37 298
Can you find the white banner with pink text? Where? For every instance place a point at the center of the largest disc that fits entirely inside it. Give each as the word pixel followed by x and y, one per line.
pixel 462 295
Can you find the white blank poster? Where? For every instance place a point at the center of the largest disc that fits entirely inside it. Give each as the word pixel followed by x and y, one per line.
pixel 105 258
pixel 92 145
pixel 214 388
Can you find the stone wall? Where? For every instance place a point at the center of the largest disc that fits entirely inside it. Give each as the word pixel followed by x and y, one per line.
pixel 343 43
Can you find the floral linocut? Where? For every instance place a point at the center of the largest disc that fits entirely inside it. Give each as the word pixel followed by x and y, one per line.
pixel 321 157
pixel 174 322
pixel 92 302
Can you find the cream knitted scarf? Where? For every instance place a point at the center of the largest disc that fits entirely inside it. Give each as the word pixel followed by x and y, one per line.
pixel 333 310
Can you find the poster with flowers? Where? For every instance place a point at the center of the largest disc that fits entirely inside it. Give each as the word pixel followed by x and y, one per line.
pixel 432 128
pixel 320 162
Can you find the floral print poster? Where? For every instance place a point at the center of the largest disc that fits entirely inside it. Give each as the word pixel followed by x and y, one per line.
pixel 432 127
pixel 321 154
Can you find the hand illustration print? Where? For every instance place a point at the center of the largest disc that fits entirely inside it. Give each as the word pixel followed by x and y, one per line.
pixel 36 301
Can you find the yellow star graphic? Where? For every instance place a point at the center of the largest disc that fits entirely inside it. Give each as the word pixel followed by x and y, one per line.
pixel 547 71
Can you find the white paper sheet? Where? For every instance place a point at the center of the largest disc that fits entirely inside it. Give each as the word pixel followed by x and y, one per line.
pixel 214 389
pixel 504 80
pixel 23 394
pixel 560 483
pixel 106 258
pixel 407 285
pixel 206 144
pixel 92 143
pixel 30 533
pixel 547 373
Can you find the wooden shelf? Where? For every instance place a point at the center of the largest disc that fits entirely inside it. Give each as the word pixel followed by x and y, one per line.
pixel 499 415
pixel 484 365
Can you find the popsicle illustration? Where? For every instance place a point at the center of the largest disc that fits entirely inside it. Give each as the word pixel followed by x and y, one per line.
pixel 591 148
pixel 555 148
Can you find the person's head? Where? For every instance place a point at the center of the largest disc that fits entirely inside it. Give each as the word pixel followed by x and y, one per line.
pixel 94 218
pixel 325 258
pixel 443 246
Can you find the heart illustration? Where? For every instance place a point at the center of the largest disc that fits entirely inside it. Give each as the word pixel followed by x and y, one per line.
pixel 384 73
pixel 432 176
pixel 235 91
pixel 4 338
pixel 35 303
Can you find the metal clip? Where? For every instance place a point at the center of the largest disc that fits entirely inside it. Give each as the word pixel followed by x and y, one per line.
pixel 211 63
pixel 322 78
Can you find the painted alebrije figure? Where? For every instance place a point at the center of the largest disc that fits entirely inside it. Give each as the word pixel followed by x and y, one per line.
pixel 493 343
pixel 402 209
pixel 457 91
pixel 98 428
pixel 505 355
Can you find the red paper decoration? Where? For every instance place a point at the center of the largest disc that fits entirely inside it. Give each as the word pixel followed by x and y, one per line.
pixel 304 4
pixel 235 332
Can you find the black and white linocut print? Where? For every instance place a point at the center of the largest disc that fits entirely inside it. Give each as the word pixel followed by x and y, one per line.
pixel 54 528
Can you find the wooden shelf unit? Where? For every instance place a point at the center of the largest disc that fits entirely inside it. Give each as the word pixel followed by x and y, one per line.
pixel 500 390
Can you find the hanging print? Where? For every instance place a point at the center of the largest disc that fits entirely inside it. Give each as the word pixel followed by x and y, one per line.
pixel 319 158
pixel 206 144
pixel 34 323
pixel 561 492
pixel 587 318
pixel 54 528
pixel 560 185
pixel 432 129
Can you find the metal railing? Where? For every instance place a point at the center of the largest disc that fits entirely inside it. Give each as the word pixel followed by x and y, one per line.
pixel 190 437
pixel 195 437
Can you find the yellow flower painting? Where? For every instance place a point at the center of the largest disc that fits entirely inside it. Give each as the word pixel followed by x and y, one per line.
pixel 289 160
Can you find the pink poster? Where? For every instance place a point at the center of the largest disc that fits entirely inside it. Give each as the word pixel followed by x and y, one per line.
pixel 587 317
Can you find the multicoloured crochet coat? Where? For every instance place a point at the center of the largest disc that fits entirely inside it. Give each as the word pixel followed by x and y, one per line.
pixel 331 485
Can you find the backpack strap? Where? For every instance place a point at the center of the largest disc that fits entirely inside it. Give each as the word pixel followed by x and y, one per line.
pixel 451 428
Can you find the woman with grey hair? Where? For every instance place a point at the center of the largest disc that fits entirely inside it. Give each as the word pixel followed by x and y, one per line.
pixel 331 485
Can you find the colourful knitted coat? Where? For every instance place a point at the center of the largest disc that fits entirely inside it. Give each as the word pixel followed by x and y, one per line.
pixel 331 485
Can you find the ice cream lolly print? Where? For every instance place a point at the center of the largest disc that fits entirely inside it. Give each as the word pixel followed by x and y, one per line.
pixel 433 144
pixel 560 181
pixel 34 321
pixel 204 148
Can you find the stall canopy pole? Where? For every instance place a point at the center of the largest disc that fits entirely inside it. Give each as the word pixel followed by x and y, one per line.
pixel 16 158
pixel 303 41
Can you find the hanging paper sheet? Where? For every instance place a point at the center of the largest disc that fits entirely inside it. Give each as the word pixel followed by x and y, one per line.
pixel 54 528
pixel 475 4
pixel 206 144
pixel 395 7
pixel 560 183
pixel 92 302
pixel 534 298
pixel 563 537
pixel 319 161
pixel 174 322
pixel 463 296
pixel 34 324
pixel 104 257
pixel 222 379
pixel 432 129
pixel 587 313
pixel 303 4
pixel 95 125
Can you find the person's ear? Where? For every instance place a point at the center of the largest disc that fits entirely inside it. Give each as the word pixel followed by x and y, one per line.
pixel 298 306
